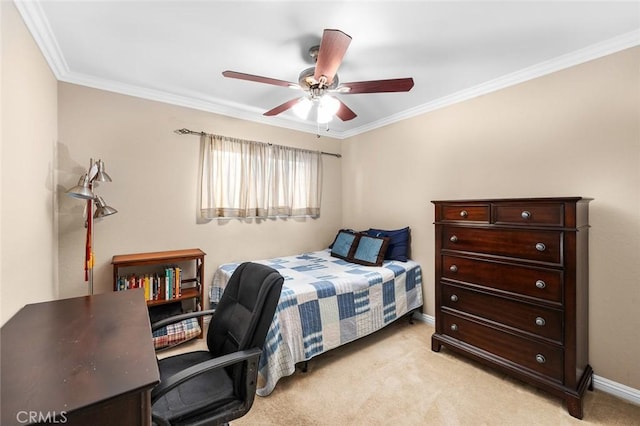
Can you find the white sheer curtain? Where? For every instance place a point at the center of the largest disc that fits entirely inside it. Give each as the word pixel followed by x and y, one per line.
pixel 245 179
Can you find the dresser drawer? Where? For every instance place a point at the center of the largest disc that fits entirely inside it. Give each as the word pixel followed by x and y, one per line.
pixel 464 212
pixel 541 283
pixel 545 214
pixel 541 358
pixel 523 316
pixel 538 246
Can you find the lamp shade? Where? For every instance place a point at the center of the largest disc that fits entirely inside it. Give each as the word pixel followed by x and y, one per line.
pixel 101 175
pixel 81 190
pixel 102 209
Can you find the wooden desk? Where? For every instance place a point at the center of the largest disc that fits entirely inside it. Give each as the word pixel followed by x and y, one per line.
pixel 81 361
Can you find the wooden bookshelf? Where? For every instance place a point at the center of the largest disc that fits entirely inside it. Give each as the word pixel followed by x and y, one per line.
pixel 191 286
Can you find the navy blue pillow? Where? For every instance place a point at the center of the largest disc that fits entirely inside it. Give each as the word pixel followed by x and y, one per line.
pixel 399 240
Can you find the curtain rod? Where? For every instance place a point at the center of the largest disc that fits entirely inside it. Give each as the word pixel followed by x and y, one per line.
pixel 184 131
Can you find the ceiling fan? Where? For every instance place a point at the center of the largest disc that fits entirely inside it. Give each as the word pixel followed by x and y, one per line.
pixel 322 80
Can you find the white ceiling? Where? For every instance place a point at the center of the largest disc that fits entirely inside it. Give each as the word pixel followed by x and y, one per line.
pixel 175 51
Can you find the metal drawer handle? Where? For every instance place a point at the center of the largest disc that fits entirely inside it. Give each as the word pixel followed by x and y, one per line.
pixel 453 268
pixel 453 239
pixel 541 284
pixel 525 214
pixel 454 327
pixel 464 213
pixel 540 359
pixel 540 321
pixel 540 247
pixel 454 298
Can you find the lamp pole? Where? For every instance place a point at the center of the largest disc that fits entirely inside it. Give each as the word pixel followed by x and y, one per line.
pixel 84 190
pixel 88 261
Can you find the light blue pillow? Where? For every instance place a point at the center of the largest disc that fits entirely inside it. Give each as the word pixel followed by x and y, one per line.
pixel 343 244
pixel 370 250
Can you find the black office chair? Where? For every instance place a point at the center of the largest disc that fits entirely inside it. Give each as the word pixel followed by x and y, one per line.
pixel 216 386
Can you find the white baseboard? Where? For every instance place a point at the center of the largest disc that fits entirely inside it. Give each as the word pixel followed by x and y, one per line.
pixel 425 318
pixel 605 385
pixel 617 389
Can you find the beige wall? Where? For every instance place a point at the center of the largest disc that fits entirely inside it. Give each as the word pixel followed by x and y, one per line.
pixel 154 188
pixel 571 133
pixel 29 131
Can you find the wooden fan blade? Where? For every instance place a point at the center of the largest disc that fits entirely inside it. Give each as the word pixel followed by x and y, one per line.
pixel 345 113
pixel 377 86
pixel 282 108
pixel 333 46
pixel 259 79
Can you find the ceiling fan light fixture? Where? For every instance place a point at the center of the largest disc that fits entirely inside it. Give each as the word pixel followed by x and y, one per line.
pixel 302 108
pixel 327 108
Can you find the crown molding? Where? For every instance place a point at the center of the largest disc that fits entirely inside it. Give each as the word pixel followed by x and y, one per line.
pixel 37 23
pixel 595 51
pixel 213 105
pixel 34 18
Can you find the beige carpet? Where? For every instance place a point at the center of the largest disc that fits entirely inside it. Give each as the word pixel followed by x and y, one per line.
pixel 393 377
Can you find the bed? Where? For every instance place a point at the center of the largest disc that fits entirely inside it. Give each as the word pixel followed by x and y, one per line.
pixel 327 302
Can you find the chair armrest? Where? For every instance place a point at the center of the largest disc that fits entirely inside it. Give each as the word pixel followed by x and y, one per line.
pixel 177 379
pixel 177 318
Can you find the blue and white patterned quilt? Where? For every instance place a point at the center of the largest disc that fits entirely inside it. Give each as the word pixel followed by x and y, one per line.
pixel 327 302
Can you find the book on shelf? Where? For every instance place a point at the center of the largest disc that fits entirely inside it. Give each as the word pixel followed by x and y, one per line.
pixel 157 286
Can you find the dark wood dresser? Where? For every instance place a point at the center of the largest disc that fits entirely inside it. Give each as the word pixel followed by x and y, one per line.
pixel 511 289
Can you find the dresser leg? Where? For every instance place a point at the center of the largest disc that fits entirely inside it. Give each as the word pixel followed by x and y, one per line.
pixel 435 345
pixel 574 399
pixel 574 406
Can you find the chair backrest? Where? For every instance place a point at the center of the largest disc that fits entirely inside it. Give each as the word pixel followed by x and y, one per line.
pixel 246 309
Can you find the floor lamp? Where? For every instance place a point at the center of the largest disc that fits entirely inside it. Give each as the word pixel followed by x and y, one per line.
pixel 84 190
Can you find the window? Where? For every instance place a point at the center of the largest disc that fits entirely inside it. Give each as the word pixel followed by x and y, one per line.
pixel 245 179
